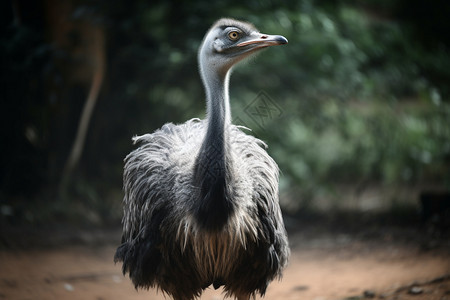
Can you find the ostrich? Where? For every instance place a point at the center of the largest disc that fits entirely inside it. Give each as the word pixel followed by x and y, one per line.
pixel 201 198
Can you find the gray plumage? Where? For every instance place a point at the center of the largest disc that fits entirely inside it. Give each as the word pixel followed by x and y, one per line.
pixel 201 198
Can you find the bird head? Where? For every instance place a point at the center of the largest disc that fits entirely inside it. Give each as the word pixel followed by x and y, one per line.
pixel 229 41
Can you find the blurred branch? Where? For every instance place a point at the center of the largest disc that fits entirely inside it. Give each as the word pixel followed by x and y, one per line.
pixel 98 57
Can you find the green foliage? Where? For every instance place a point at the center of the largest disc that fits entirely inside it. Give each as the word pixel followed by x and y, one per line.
pixel 361 98
pixel 393 144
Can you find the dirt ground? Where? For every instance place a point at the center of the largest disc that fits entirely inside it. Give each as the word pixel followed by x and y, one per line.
pixel 325 264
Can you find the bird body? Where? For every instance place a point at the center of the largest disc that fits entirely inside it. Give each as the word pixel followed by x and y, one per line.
pixel 201 198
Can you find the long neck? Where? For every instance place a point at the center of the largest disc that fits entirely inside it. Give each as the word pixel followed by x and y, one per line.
pixel 217 107
pixel 212 175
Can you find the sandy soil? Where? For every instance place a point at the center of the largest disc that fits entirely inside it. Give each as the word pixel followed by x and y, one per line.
pixel 322 267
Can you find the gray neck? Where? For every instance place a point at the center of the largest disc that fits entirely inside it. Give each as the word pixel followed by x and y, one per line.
pixel 212 169
pixel 217 107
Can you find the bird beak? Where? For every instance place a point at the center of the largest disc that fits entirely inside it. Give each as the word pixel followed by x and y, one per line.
pixel 261 40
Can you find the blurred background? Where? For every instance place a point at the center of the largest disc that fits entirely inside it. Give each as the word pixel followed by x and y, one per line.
pixel 358 102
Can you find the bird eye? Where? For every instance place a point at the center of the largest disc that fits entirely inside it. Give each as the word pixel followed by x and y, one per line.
pixel 233 35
